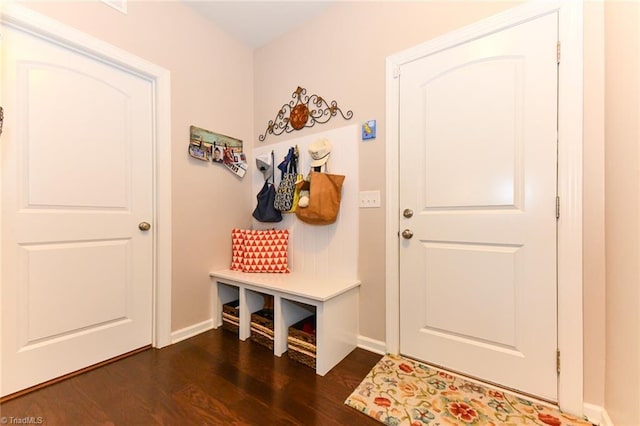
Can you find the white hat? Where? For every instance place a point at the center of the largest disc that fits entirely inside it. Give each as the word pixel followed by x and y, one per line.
pixel 319 151
pixel 263 162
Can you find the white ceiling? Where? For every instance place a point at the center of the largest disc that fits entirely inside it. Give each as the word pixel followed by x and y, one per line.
pixel 256 23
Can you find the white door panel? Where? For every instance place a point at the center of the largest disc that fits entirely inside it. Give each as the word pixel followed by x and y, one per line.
pixel 94 294
pixel 496 265
pixel 478 155
pixel 481 177
pixel 77 156
pixel 102 158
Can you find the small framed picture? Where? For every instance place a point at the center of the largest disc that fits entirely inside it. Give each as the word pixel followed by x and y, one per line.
pixel 369 130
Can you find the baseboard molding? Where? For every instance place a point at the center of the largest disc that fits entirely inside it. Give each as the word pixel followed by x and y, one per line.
pixel 606 420
pixel 366 343
pixel 372 345
pixel 597 415
pixel 192 330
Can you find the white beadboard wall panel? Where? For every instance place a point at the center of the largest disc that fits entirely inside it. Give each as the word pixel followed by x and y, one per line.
pixel 323 250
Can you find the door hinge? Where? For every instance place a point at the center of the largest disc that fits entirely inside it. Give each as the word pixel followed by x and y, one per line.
pixel 558 52
pixel 396 72
pixel 557 207
pixel 558 361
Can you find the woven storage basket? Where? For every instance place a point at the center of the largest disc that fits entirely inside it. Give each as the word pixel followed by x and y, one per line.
pixel 262 327
pixel 230 317
pixel 302 341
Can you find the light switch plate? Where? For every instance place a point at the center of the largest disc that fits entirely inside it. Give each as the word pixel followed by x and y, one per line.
pixel 369 199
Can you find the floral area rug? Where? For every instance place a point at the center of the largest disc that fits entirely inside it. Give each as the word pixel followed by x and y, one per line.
pixel 399 391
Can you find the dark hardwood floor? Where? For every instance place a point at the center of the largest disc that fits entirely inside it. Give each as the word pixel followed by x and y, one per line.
pixel 210 379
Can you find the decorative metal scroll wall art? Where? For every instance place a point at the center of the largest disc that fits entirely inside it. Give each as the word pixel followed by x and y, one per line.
pixel 303 111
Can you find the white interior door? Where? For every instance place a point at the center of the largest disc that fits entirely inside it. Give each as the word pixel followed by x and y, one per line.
pixel 478 161
pixel 76 182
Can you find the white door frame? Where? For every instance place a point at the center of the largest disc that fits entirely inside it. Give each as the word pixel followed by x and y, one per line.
pixel 46 28
pixel 570 99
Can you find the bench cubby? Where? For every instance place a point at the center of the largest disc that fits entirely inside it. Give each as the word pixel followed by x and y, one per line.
pixel 231 316
pixel 261 325
pixel 301 341
pixel 296 296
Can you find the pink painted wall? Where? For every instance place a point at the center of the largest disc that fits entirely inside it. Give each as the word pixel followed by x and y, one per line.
pixel 622 153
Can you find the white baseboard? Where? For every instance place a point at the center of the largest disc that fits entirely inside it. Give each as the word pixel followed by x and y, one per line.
pixel 192 330
pixel 597 415
pixel 606 420
pixel 366 343
pixel 372 345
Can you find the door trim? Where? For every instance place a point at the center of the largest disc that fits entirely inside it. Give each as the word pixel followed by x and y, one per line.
pixel 570 133
pixel 44 27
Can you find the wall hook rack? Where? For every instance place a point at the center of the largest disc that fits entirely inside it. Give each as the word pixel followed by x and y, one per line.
pixel 303 111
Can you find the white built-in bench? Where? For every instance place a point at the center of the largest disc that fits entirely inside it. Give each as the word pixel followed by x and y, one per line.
pixel 324 261
pixel 296 296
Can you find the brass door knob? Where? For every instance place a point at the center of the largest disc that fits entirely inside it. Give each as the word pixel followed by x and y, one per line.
pixel 144 226
pixel 407 234
pixel 407 213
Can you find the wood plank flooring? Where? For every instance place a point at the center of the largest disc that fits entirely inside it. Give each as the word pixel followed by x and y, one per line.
pixel 210 379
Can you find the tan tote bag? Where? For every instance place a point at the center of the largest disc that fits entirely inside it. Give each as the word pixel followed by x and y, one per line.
pixel 325 192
